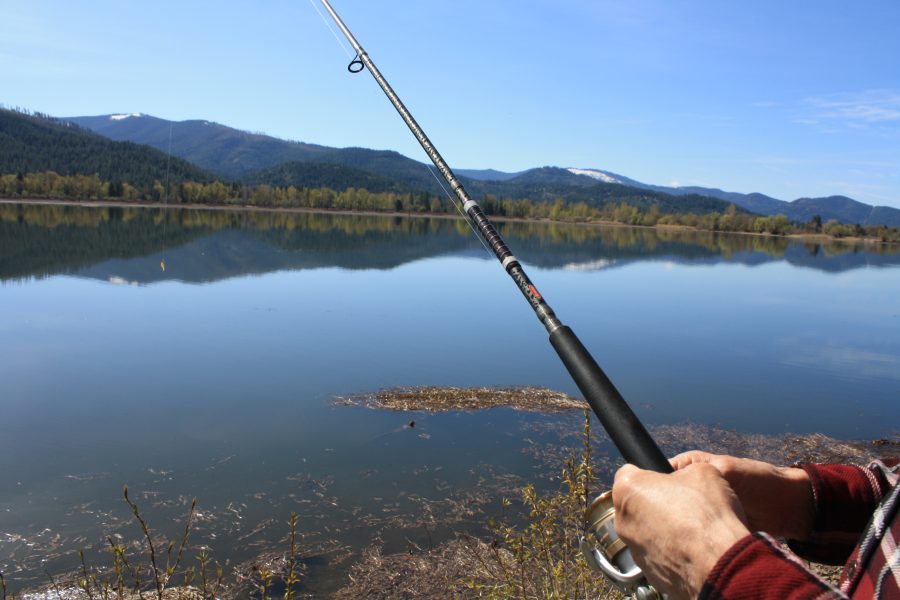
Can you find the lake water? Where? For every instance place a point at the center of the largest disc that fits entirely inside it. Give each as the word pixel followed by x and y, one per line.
pixel 198 353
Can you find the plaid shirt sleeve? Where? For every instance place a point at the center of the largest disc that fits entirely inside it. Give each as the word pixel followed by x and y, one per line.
pixel 845 497
pixel 758 567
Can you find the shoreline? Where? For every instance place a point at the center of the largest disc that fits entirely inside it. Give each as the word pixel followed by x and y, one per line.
pixel 799 237
pixel 429 565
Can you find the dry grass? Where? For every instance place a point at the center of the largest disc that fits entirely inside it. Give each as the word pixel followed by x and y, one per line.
pixel 427 575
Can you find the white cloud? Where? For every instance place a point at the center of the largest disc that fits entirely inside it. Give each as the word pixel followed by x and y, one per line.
pixel 863 108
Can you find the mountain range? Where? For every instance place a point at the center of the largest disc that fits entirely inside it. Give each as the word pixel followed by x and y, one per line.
pixel 801 210
pixel 264 159
pixel 255 158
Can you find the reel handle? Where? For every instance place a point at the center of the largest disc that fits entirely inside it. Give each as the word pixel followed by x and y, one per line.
pixel 617 418
pixel 607 554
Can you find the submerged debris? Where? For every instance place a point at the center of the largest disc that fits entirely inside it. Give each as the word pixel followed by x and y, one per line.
pixel 441 399
pixel 274 566
pixel 74 592
pixel 88 476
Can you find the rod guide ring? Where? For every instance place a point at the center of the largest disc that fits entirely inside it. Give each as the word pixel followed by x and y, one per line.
pixel 356 65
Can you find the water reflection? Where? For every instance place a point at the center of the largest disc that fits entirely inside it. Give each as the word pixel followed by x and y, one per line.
pixel 141 245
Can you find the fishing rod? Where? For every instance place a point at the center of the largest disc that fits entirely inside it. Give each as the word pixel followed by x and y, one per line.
pixel 627 432
pixel 617 418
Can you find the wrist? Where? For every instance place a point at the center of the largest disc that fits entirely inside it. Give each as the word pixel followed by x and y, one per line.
pixel 715 544
pixel 798 498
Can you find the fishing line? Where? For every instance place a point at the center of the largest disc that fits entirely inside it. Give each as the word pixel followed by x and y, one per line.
pixel 337 38
pixel 459 209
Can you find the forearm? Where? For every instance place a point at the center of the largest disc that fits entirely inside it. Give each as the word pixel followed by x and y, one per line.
pixel 792 514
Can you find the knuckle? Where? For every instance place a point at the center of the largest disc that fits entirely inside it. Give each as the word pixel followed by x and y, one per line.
pixel 624 478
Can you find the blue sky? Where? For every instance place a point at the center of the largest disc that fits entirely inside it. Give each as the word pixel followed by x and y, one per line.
pixel 789 99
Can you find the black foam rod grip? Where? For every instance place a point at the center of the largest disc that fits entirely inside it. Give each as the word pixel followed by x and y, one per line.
pixel 617 418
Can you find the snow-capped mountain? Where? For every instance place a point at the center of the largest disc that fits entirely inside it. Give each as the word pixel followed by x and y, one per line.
pixel 595 174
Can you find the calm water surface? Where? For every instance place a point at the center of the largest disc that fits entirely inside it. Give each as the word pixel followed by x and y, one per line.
pixel 197 353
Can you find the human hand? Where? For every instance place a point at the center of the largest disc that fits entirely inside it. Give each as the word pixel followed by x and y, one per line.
pixel 677 525
pixel 777 500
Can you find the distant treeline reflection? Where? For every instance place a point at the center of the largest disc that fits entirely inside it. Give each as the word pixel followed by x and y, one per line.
pixel 46 239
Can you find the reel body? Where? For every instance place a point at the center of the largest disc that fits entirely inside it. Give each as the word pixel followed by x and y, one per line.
pixel 606 553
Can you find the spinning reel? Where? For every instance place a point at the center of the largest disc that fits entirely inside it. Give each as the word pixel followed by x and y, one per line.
pixel 606 553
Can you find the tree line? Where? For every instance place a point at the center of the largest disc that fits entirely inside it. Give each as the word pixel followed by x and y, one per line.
pixel 51 185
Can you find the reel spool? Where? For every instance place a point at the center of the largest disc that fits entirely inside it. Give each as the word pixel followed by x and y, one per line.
pixel 606 553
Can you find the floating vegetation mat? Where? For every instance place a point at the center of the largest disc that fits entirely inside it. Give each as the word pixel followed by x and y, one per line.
pixel 784 449
pixel 442 399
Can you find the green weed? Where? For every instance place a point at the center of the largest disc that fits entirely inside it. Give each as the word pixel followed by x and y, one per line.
pixel 541 559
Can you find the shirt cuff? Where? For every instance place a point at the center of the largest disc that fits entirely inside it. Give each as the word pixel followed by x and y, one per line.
pixel 757 567
pixel 844 497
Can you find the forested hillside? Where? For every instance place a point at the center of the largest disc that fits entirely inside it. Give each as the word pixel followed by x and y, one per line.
pixel 229 153
pixel 336 177
pixel 38 143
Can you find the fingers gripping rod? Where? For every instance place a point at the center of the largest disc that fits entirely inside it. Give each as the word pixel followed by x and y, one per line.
pixel 617 418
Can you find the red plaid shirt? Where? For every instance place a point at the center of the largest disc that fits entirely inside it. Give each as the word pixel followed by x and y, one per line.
pixel 849 500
